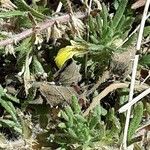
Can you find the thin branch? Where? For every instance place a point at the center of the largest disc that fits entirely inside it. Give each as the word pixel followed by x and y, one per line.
pixel 107 90
pixel 124 144
pixel 41 26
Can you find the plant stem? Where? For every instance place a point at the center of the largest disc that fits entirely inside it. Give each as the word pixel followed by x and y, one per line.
pixel 41 26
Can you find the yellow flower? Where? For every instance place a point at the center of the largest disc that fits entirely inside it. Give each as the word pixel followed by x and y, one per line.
pixel 68 52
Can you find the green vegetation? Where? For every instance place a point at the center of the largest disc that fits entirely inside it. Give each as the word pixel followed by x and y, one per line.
pixel 55 64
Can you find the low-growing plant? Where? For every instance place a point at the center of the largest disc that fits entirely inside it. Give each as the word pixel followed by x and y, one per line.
pixel 78 132
pixel 6 101
pixel 104 37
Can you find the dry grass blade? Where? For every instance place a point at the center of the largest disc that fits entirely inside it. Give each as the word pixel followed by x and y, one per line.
pixel 124 144
pixel 135 100
pixel 107 90
pixel 138 46
pixel 139 41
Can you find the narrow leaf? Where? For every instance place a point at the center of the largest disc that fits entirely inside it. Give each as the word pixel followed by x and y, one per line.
pixel 9 108
pixel 13 13
pixel 119 13
pixel 137 117
pixel 75 105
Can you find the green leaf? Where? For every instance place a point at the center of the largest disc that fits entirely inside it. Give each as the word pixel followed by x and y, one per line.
pixel 9 108
pixel 12 13
pixel 72 133
pixel 99 24
pixel 70 114
pixel 12 107
pixel 75 105
pixel 119 14
pixel 23 49
pixel 21 4
pixel 121 23
pixel 12 98
pixel 25 124
pixel 11 124
pixel 62 125
pixel 107 36
pixel 95 117
pixel 145 60
pixel 94 39
pixel 69 111
pixel 93 122
pixel 80 118
pixel 116 3
pixel 146 31
pixel 104 16
pixel 103 111
pixel 136 120
pixel 91 24
pixel 2 92
pixel 64 116
pixel 95 48
pixel 87 136
pixel 37 66
pixel 114 119
pixel 127 25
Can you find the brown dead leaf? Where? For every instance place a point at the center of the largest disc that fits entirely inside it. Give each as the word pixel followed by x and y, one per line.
pixel 68 74
pixel 121 63
pixel 55 95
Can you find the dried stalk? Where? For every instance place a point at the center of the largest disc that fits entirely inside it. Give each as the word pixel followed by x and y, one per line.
pixel 41 26
pixel 144 17
pixel 131 93
pixel 110 88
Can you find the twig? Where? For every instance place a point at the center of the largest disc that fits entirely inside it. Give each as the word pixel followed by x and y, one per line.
pixel 107 90
pixel 42 26
pixel 139 41
pixel 124 144
pixel 135 100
